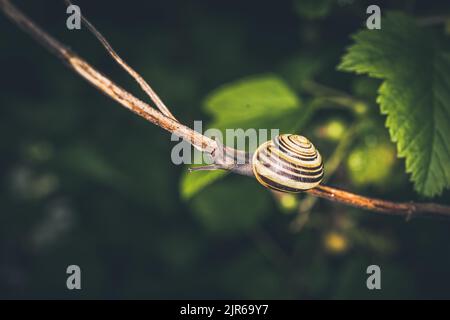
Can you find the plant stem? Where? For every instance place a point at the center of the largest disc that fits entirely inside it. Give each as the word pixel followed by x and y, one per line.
pixel 104 84
pixel 198 140
pixel 405 209
pixel 335 96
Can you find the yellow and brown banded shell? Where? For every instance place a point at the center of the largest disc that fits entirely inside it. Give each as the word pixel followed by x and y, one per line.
pixel 288 163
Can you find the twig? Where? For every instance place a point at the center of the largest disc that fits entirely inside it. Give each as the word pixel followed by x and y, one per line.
pixel 198 140
pixel 139 79
pixel 405 209
pixel 105 85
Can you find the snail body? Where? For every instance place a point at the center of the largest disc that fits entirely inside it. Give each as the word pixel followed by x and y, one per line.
pixel 288 163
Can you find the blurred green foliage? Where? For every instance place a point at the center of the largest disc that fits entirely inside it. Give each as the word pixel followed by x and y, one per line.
pixel 86 182
pixel 193 183
pixel 261 102
pixel 371 164
pixel 311 9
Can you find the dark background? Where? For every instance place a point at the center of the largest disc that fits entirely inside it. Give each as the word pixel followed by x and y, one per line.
pixel 85 182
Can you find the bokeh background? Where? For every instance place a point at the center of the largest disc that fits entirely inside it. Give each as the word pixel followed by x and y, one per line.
pixel 85 182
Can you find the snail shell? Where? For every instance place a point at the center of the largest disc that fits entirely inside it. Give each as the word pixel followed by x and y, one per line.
pixel 288 163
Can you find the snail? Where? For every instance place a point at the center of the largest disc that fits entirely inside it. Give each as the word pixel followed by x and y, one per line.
pixel 287 163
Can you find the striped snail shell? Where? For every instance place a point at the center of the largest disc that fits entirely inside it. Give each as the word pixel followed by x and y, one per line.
pixel 288 163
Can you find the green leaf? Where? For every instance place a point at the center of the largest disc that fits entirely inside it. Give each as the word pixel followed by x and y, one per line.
pixel 256 102
pixel 313 9
pixel 415 95
pixel 193 182
pixel 263 102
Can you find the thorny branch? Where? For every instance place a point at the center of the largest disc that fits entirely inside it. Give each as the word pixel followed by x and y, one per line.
pixel 164 119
